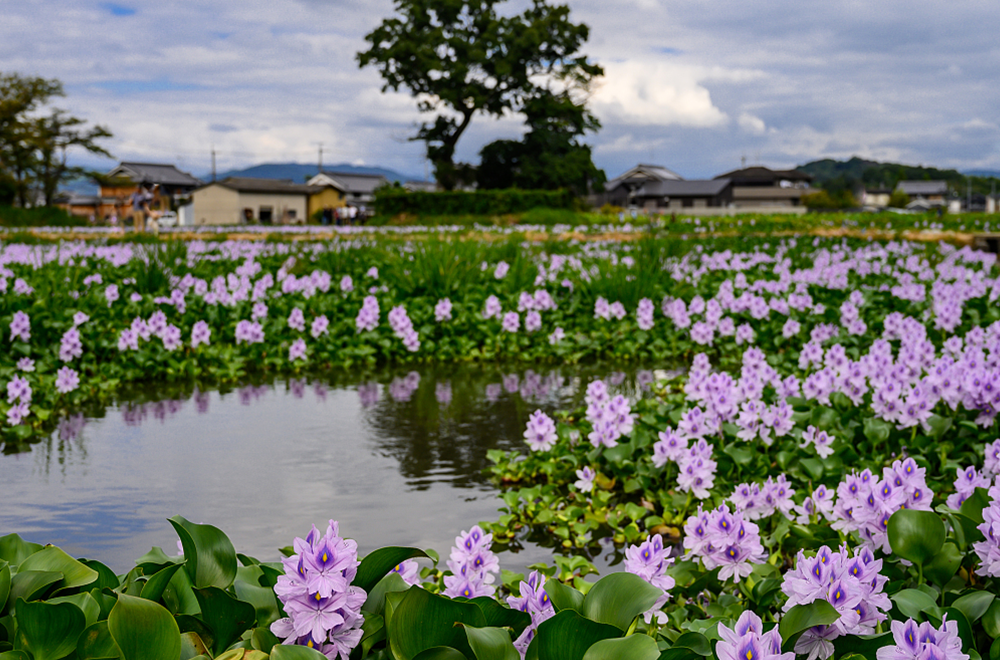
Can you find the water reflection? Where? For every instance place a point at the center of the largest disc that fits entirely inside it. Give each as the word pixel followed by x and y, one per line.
pixel 396 456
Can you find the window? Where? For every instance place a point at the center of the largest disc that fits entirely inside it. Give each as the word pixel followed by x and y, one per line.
pixel 687 203
pixel 266 214
pixel 291 214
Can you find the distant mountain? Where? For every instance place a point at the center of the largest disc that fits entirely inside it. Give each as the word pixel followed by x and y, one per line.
pixel 985 173
pixel 835 175
pixel 301 172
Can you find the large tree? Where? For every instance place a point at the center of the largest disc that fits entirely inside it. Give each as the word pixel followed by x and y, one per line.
pixel 460 58
pixel 33 144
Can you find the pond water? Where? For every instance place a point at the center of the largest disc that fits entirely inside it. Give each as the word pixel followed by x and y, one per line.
pixel 396 457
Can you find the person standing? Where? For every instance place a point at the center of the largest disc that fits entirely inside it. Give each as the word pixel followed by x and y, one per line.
pixel 140 202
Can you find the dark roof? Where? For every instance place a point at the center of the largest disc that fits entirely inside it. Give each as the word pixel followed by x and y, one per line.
pixel 358 183
pixel 160 173
pixel 690 188
pixel 642 172
pixel 762 175
pixel 912 188
pixel 279 186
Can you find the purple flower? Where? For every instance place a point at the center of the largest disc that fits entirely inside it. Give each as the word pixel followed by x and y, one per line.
pixel 988 549
pixel 670 447
pixel 403 328
pixel 409 571
pixel 744 334
pixel 644 314
pixel 967 480
pixel 346 284
pixel 585 479
pixel 747 641
pixel 650 561
pixel 20 327
pixel 259 311
pixel 372 273
pixel 111 293
pixel 80 318
pixel 297 351
pixel 127 339
pixel 442 310
pixel 541 432
pixel 250 332
pixel 200 334
pixel 819 439
pixel 368 316
pixel 70 347
pixel 511 322
pixel 923 641
pixel 602 310
pixel 533 600
pixel 17 412
pixel 492 308
pixel 26 364
pixel 320 326
pixel 67 380
pixel 501 270
pixel 18 388
pixel 556 336
pixel 532 321
pixel 135 297
pixel 297 320
pixel 473 566
pixel 724 540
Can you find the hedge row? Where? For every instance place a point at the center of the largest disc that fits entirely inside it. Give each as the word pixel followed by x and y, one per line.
pixel 394 201
pixel 39 216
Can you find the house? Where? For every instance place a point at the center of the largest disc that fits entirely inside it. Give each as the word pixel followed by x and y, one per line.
pixel 619 191
pixel 762 188
pixel 326 193
pixel 359 188
pixel 239 200
pixel 877 197
pixel 927 191
pixel 675 195
pixel 172 186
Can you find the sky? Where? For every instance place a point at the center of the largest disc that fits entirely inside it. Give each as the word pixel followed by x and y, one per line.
pixel 694 85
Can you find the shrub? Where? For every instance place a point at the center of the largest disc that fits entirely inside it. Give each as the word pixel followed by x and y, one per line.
pixel 394 201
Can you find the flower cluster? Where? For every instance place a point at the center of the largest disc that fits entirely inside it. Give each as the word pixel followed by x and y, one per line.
pixel 644 314
pixel 541 432
pixel 200 334
pixel 748 641
pixel 472 565
pixel 923 641
pixel 19 396
pixel 70 347
pixel 250 332
pixel 724 540
pixel 755 501
pixel 988 549
pixel 967 480
pixel 442 310
pixel 368 315
pixel 650 561
pixel 511 322
pixel 534 601
pixel 401 325
pixel 67 380
pixel 297 320
pixel 324 610
pixel 20 327
pixel 851 582
pixel 610 417
pixel 696 467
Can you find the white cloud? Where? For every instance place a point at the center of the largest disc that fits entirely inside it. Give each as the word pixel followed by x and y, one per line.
pixel 751 124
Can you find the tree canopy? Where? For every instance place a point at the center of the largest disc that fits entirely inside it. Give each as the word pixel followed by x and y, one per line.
pixel 34 144
pixel 460 58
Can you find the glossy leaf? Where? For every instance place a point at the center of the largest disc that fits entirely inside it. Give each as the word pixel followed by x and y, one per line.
pixel 562 596
pixel 567 636
pixel 14 550
pixel 375 602
pixel 974 604
pixel 85 602
pixel 105 576
pixel 192 645
pixel 974 505
pixel 866 646
pixel 423 620
pixel 144 630
pixel 916 535
pixel 633 647
pixel 32 584
pixel 803 617
pixel 4 583
pixel 943 566
pixel 498 616
pixel 14 655
pixel 282 652
pixel 51 558
pixel 158 582
pixel 226 617
pixel 263 600
pixel 49 631
pixel 441 653
pixel 991 620
pixel 491 643
pixel 96 643
pixel 913 602
pixel 618 598
pixel 210 555
pixel 694 641
pixel 378 563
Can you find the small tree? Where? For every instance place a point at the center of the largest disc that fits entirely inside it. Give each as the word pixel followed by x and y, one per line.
pixel 898 199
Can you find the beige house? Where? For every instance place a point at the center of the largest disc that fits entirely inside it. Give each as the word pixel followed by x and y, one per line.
pixel 241 200
pixel 760 188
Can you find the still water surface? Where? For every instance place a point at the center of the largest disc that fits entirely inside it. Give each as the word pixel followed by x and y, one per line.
pixel 397 458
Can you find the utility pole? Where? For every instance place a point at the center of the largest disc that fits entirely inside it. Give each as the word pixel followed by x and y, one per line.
pixel 213 162
pixel 968 197
pixel 320 169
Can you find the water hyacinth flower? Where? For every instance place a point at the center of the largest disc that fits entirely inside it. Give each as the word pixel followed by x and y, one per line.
pixel 80 318
pixel 346 284
pixel 556 336
pixel 724 540
pixel 650 561
pixel 988 549
pixel 17 412
pixel 135 297
pixel 501 270
pixel 533 600
pixel 585 478
pixel 992 461
pixel 26 364
pixel 297 320
pixel 111 293
pixel 967 480
pixel 324 610
pixel 511 322
pixel 532 321
pixel 748 641
pixel 492 308
pixel 258 312
pixel 128 340
pixel 403 328
pixel 368 316
pixel 297 351
pixel 372 273
pixel 67 380
pixel 250 332
pixel 473 566
pixel 18 389
pixel 821 440
pixel 320 326
pixel 409 571
pixel 200 334
pixel 924 641
pixel 644 314
pixel 20 327
pixel 541 432
pixel 442 310
pixel 70 346
pixel 171 337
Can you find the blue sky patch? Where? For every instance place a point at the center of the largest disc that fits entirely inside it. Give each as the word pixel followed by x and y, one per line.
pixel 117 10
pixel 127 87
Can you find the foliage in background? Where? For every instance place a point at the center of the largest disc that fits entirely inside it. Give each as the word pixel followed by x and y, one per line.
pixel 395 201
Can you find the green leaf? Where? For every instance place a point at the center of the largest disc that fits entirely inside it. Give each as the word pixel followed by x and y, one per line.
pixel 803 617
pixel 49 631
pixel 913 602
pixel 224 615
pixel 567 636
pixel 634 647
pixel 491 644
pixel 423 620
pixel 105 576
pixel 974 604
pixel 377 564
pixel 210 555
pixel 939 425
pixel 14 549
pixel 866 646
pixel 31 584
pixel 813 466
pixel 741 455
pixel 263 600
pixel 375 602
pixel 96 643
pixel 991 620
pixel 440 653
pixel 4 583
pixel 14 655
pixel 916 535
pixel 157 583
pixel 974 505
pixel 144 630
pixel 964 628
pixel 192 646
pixel 83 600
pixel 179 595
pixel 51 558
pixel 943 566
pixel 618 598
pixel 498 616
pixel 282 652
pixel 694 641
pixel 562 596
pixel 876 430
